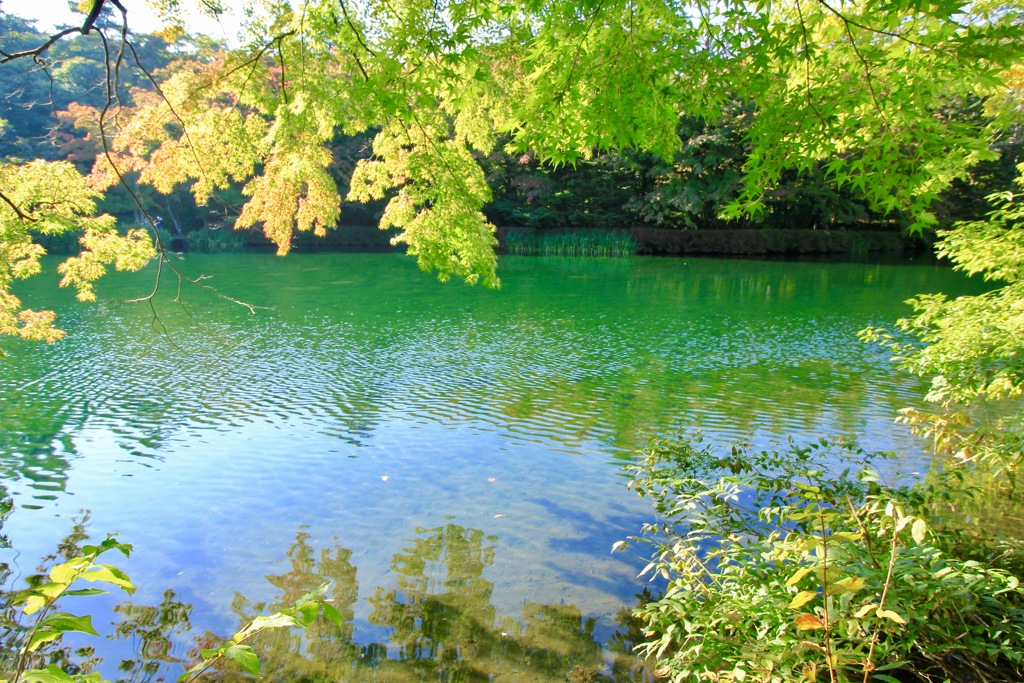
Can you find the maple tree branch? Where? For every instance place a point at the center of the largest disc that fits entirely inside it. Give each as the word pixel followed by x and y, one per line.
pixel 355 31
pixel 35 52
pixel 25 218
pixel 280 56
pixel 807 64
pixel 85 29
pixel 850 22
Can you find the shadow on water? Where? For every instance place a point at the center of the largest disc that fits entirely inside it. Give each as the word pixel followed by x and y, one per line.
pixel 436 621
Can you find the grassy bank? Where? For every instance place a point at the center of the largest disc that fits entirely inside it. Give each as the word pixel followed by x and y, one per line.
pixel 574 243
pixel 769 242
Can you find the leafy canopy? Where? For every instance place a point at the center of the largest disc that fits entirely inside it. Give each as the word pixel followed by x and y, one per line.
pixel 856 90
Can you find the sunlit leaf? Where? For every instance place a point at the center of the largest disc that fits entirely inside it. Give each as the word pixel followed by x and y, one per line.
pixel 800 574
pixel 245 656
pixel 865 610
pixel 802 598
pixel 33 604
pixel 847 585
pixel 808 622
pixel 918 530
pixel 51 674
pixel 889 614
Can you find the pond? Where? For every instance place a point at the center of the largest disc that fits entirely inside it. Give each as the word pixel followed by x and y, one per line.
pixel 450 457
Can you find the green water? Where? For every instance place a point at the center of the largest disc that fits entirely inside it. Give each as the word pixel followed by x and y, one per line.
pixel 448 455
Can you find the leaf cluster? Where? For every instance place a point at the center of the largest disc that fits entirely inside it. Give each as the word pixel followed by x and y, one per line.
pixel 801 565
pixel 972 347
pixel 53 198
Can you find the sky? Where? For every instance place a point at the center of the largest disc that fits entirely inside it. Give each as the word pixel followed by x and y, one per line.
pixel 50 13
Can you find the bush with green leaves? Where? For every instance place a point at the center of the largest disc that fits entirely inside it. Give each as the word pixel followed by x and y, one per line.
pixel 972 347
pixel 802 565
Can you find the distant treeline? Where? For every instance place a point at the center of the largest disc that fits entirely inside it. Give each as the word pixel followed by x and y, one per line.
pixel 668 206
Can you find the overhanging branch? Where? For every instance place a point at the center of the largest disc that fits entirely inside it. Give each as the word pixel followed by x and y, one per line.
pixel 87 26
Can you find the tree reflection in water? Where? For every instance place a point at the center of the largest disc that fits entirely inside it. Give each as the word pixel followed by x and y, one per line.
pixel 439 622
pixel 439 618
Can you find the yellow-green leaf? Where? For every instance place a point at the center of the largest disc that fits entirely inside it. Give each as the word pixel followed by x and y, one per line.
pixel 109 574
pixel 865 610
pixel 800 573
pixel 847 585
pixel 918 530
pixel 802 598
pixel 51 674
pixel 33 604
pixel 889 614
pixel 67 572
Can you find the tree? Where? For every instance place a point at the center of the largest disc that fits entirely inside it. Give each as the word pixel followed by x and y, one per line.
pixel 972 347
pixel 851 91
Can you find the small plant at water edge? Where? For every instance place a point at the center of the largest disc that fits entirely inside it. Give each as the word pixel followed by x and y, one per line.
pixel 801 565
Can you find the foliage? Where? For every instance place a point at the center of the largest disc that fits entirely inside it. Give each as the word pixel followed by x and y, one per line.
pixel 50 625
pixel 52 198
pixel 972 347
pixel 781 569
pixel 850 102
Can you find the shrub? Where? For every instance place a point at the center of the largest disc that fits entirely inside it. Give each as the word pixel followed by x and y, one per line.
pixel 780 569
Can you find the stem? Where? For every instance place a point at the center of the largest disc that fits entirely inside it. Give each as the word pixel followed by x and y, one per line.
pixel 863 530
pixel 824 564
pixel 868 665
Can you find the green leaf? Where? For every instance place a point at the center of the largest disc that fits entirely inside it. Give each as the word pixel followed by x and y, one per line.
pixel 51 674
pixel 307 614
pixel 79 592
pixel 333 615
pixel 245 657
pixel 56 624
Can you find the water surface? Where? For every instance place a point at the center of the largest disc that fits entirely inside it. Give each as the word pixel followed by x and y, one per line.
pixel 449 456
